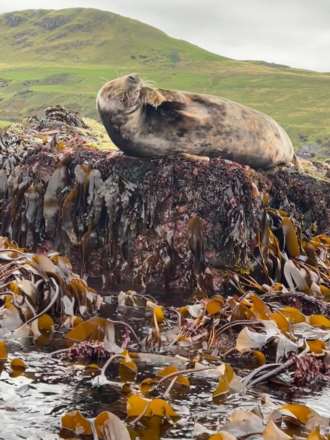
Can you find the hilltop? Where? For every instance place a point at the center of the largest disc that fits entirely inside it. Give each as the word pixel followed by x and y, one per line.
pixel 64 56
pixel 89 35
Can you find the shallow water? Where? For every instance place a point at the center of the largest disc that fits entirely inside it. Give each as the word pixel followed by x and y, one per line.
pixel 31 405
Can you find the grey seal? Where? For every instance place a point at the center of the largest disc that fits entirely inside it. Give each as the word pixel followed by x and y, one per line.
pixel 144 121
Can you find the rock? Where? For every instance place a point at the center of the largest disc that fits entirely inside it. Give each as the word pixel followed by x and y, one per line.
pixel 304 195
pixel 4 83
pixel 307 151
pixel 13 20
pixel 164 226
pixel 51 23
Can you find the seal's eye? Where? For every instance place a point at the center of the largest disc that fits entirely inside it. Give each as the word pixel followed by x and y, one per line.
pixel 132 78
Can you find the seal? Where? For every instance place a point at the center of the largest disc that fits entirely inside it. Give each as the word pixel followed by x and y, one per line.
pixel 148 122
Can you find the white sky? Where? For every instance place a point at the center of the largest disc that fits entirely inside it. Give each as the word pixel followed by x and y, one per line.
pixel 292 32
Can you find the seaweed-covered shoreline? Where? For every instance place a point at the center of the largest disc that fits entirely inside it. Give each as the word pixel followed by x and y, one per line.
pixel 215 281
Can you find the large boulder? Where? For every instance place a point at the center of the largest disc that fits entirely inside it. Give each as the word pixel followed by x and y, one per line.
pixel 164 226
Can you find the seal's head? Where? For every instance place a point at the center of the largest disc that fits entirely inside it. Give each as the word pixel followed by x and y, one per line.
pixel 125 95
pixel 120 95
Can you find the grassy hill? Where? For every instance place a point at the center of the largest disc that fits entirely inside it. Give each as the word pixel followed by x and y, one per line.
pixel 64 56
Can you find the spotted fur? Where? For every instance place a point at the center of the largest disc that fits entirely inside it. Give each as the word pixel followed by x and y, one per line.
pixel 148 122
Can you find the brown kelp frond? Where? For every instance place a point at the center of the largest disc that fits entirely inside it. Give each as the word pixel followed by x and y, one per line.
pixel 38 289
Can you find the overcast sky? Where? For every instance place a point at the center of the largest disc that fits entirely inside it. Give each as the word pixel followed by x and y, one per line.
pixel 292 32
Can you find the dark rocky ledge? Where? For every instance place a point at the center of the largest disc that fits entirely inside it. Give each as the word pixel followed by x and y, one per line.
pixel 161 226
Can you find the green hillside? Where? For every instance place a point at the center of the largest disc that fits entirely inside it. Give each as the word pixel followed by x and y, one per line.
pixel 50 57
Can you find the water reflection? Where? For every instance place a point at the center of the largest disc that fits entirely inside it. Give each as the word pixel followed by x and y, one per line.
pixel 31 405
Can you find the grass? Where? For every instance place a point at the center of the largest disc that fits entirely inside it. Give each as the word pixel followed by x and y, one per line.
pixel 4 124
pixel 64 57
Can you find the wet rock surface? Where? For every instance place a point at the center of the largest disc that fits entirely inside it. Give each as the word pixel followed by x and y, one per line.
pixel 162 226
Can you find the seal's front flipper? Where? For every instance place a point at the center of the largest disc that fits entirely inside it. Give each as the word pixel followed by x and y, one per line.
pixel 157 98
pixel 152 97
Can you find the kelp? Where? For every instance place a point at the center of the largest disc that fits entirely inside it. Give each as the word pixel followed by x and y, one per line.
pixel 275 426
pixel 220 338
pixel 14 366
pixel 38 289
pixel 105 426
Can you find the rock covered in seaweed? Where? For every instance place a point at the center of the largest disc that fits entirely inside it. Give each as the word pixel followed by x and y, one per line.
pixel 127 222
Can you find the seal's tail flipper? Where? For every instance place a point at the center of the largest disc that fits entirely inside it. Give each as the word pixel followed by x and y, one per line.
pixel 195 158
pixel 296 163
